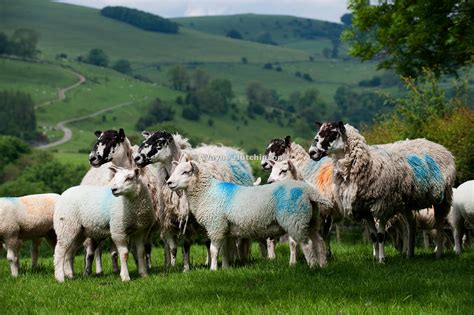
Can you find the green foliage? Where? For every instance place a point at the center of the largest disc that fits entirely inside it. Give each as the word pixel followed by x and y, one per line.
pixel 358 107
pixel 157 112
pixel 22 43
pixel 346 19
pixel 38 172
pixel 97 57
pixel 409 36
pixel 179 78
pixel 17 115
pixel 191 113
pixel 11 149
pixel 140 19
pixel 234 34
pixel 426 112
pixel 122 66
pixel 259 97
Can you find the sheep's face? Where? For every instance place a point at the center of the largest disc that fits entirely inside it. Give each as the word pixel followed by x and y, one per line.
pixel 182 175
pixel 107 147
pixel 125 181
pixel 155 148
pixel 328 140
pixel 277 150
pixel 280 170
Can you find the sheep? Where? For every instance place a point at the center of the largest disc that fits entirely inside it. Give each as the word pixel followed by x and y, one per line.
pixel 112 147
pixel 462 210
pixel 380 182
pixel 294 162
pixel 121 211
pixel 228 209
pixel 26 218
pixel 225 163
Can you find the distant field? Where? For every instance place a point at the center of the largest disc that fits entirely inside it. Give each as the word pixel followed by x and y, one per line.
pixel 41 81
pixel 75 30
pixel 352 283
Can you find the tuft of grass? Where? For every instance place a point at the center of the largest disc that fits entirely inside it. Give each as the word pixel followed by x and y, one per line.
pixel 352 283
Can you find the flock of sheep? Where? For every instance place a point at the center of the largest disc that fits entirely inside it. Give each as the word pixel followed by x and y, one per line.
pixel 166 187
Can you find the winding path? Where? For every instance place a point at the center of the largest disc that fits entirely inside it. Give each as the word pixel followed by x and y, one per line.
pixel 62 92
pixel 68 132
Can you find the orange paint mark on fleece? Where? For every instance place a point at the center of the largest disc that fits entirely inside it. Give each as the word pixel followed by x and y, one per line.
pixel 38 206
pixel 324 177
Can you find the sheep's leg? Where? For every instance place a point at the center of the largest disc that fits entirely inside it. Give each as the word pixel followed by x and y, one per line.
pixel 411 227
pixel 215 247
pixel 293 250
pixel 208 258
pixel 166 249
pixel 13 247
pixel 59 260
pixel 35 244
pixel 148 248
pixel 458 227
pixel 426 239
pixel 90 249
pixel 98 259
pixel 263 248
pixel 381 240
pixel 113 256
pixel 226 249
pixel 271 248
pixel 244 249
pixel 173 249
pixel 140 255
pixel 372 231
pixel 70 254
pixel 186 250
pixel 327 235
pixel 122 247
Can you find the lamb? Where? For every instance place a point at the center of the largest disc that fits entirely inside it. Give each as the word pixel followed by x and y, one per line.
pixel 380 182
pixel 225 163
pixel 227 209
pixel 462 210
pixel 292 161
pixel 122 211
pixel 113 148
pixel 26 218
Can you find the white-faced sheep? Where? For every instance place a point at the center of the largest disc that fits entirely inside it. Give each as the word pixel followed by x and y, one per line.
pixel 121 212
pixel 26 218
pixel 381 182
pixel 294 162
pixel 227 209
pixel 462 211
pixel 225 163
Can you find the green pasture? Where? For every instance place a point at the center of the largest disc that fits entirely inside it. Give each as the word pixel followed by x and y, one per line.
pixel 352 283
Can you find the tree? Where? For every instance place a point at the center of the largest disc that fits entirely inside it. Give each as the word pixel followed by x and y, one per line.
pixel 17 115
pixel 23 43
pixel 4 43
pixel 216 98
pixel 259 97
pixel 234 34
pixel 191 113
pixel 200 79
pixel 97 57
pixel 157 112
pixel 123 66
pixel 346 19
pixel 11 149
pixel 408 36
pixel 179 78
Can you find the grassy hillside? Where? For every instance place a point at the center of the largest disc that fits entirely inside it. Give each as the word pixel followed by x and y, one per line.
pixel 75 30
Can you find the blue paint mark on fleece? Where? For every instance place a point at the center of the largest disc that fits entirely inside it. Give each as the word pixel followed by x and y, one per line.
pixel 428 175
pixel 312 167
pixel 225 192
pixel 107 202
pixel 11 199
pixel 239 172
pixel 290 205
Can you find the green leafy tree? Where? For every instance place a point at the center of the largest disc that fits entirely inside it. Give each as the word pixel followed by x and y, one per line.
pixel 17 115
pixel 12 148
pixel 4 43
pixel 157 112
pixel 408 36
pixel 23 43
pixel 97 57
pixel 179 78
pixel 123 66
pixel 259 97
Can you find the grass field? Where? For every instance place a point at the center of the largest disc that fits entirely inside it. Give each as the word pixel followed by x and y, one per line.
pixel 352 283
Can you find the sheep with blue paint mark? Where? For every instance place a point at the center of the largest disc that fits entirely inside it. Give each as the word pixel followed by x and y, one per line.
pixel 123 212
pixel 26 218
pixel 462 211
pixel 228 210
pixel 225 163
pixel 382 181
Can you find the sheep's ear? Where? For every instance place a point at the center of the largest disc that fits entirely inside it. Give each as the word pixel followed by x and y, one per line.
pixel 121 135
pixel 98 133
pixel 113 169
pixel 146 134
pixel 318 124
pixel 290 165
pixel 287 141
pixel 175 163
pixel 341 127
pixel 184 157
pixel 137 172
pixel 271 162
pixel 194 168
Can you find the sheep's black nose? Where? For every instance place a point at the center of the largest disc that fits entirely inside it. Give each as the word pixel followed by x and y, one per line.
pixel 114 190
pixel 137 158
pixel 92 158
pixel 169 182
